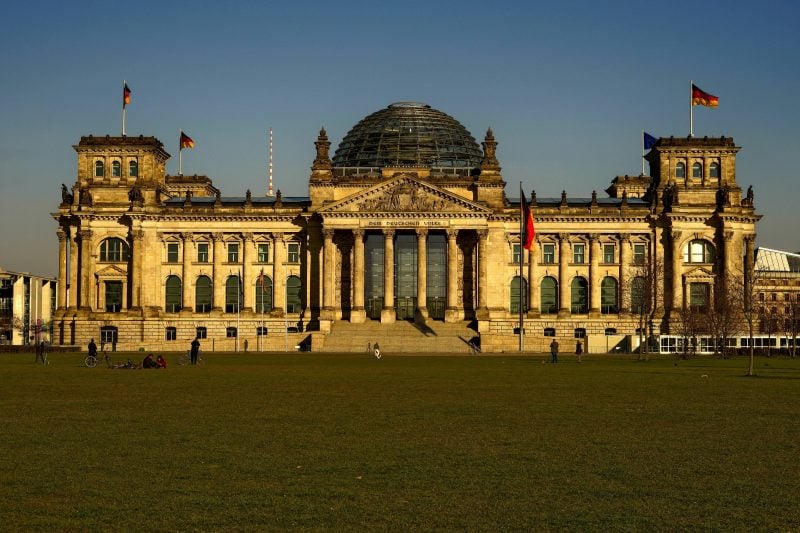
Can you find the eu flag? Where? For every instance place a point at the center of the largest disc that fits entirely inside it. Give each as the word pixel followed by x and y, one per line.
pixel 649 141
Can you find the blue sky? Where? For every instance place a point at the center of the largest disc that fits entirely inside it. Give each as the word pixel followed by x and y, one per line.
pixel 566 87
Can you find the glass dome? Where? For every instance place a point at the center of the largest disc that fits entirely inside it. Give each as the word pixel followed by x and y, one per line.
pixel 408 134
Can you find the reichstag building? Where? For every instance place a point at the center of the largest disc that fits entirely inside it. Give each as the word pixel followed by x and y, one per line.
pixel 406 237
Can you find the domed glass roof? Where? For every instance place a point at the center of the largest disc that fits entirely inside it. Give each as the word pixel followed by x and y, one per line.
pixel 408 133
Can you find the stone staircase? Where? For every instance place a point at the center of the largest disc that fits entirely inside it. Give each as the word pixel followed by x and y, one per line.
pixel 406 338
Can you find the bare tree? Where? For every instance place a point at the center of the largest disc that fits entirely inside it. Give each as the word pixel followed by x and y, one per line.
pixel 725 319
pixel 646 279
pixel 791 322
pixel 691 323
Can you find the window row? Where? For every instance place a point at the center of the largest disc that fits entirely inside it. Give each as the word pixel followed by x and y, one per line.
pixel 117 250
pixel 579 254
pixel 116 168
pixel 201 332
pixel 234 294
pixel 579 295
pixel 697 170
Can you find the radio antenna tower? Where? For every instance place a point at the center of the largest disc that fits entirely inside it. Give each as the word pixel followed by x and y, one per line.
pixel 269 190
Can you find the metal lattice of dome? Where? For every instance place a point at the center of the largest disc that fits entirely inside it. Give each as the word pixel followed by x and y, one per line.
pixel 408 134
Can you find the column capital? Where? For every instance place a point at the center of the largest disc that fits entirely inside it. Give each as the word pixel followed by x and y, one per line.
pixel 62 235
pixel 728 236
pixel 277 236
pixel 187 236
pixel 594 238
pixel 422 232
pixel 624 237
pixel 247 236
pixel 483 234
pixel 328 233
pixel 451 233
pixel 676 235
pixel 86 234
pixel 563 237
pixel 218 236
pixel 359 233
pixel 388 232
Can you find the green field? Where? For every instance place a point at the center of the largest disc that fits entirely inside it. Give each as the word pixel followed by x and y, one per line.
pixel 315 442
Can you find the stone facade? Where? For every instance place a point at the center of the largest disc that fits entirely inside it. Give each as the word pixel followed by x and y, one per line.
pixel 151 260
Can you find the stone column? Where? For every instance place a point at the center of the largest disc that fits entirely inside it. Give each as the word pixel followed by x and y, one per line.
pixel 422 274
pixel 218 298
pixel 187 294
pixel 279 274
pixel 74 270
pixel 248 287
pixel 328 274
pixel 137 243
pixel 451 313
pixel 358 313
pixel 388 313
pixel 624 265
pixel 63 242
pixel 677 263
pixel 564 300
pixel 534 299
pixel 86 268
pixel 657 266
pixel 594 275
pixel 483 270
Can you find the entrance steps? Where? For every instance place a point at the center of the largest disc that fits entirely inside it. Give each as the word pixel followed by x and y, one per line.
pixel 402 337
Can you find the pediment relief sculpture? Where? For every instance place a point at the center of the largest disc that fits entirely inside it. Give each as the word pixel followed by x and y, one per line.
pixel 405 196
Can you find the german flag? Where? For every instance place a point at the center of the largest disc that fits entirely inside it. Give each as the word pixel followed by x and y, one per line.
pixel 126 95
pixel 700 97
pixel 186 141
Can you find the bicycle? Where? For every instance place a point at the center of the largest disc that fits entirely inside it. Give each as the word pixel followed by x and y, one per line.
pixel 91 360
pixel 186 358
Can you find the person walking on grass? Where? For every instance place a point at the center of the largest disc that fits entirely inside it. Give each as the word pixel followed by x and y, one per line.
pixel 92 348
pixel 554 351
pixel 195 351
pixel 578 349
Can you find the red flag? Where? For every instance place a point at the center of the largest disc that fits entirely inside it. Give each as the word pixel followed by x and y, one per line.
pixel 262 281
pixel 700 97
pixel 126 95
pixel 526 237
pixel 186 141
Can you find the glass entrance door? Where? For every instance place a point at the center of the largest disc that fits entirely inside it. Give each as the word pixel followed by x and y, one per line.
pixel 437 276
pixel 373 275
pixel 405 262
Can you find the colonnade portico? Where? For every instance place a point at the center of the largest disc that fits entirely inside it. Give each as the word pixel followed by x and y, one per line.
pixel 446 300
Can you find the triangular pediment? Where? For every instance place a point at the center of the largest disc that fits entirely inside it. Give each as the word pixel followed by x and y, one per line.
pixel 111 271
pixel 698 273
pixel 405 194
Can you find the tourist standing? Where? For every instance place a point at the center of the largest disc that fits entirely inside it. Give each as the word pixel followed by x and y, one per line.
pixel 578 349
pixel 195 350
pixel 554 351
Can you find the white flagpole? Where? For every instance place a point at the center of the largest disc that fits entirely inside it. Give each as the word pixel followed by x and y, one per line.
pixel 261 283
pixel 522 223
pixel 238 307
pixel 642 138
pixel 691 113
pixel 123 107
pixel 180 153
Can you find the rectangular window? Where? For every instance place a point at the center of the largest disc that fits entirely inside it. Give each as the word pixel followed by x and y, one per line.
pixel 201 332
pixel 293 252
pixel 578 253
pixel 171 334
pixel 231 333
pixel 515 248
pixel 202 252
pixel 233 253
pixel 261 331
pixel 608 253
pixel 698 296
pixel 263 253
pixel 172 252
pixel 549 253
pixel 639 254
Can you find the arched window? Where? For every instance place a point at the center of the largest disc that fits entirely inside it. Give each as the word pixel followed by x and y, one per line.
pixel 202 294
pixel 114 250
pixel 680 170
pixel 639 296
pixel 549 295
pixel 579 296
pixel 713 170
pixel 264 295
pixel 293 294
pixel 697 171
pixel 609 296
pixel 515 294
pixel 173 294
pixel 698 251
pixel 99 169
pixel 116 168
pixel 233 295
pixel 133 168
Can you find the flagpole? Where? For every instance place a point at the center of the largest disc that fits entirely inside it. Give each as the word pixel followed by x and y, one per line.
pixel 123 108
pixel 691 117
pixel 522 223
pixel 180 154
pixel 238 307
pixel 261 283
pixel 642 137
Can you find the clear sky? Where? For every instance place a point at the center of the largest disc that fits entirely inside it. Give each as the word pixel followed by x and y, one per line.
pixel 566 87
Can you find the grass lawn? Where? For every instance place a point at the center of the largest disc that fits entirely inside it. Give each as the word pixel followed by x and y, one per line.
pixel 337 442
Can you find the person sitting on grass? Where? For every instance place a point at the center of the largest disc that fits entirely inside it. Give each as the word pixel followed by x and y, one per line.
pixel 161 362
pixel 149 362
